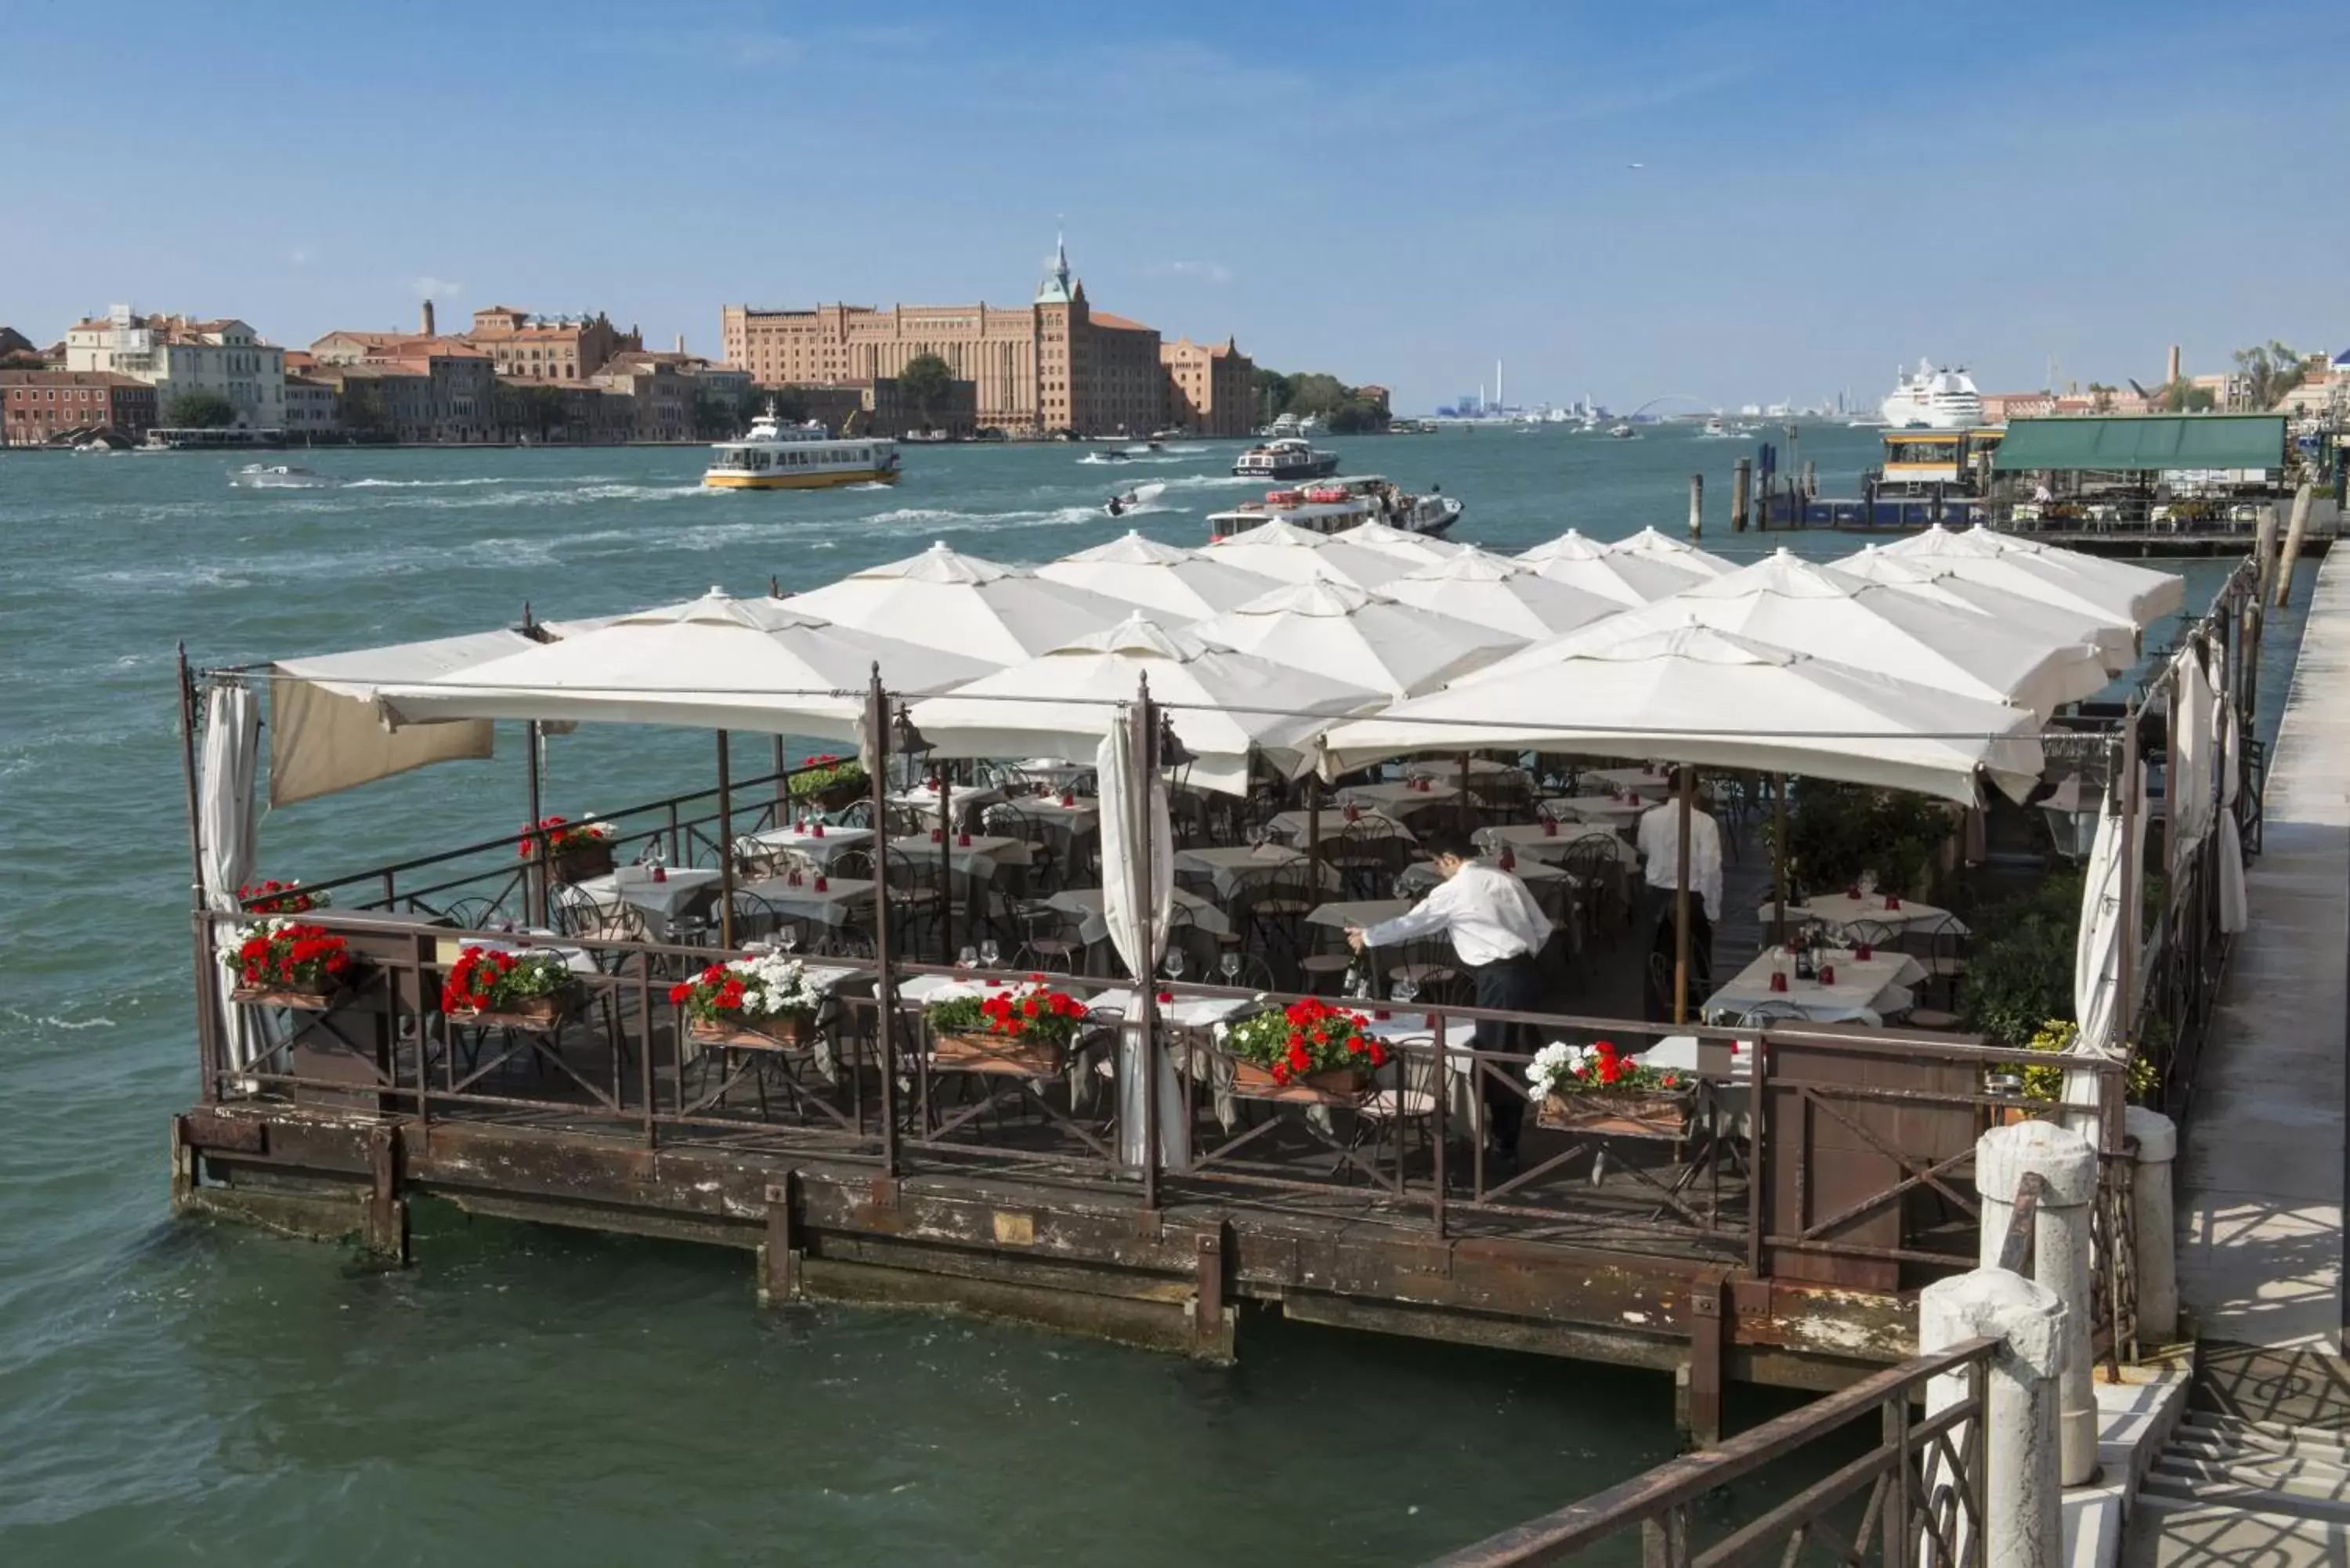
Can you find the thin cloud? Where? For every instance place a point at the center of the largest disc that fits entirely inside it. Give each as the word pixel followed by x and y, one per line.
pixel 431 287
pixel 1214 272
pixel 302 255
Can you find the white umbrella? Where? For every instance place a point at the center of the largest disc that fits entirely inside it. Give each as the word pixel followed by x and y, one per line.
pixel 1713 700
pixel 1284 550
pixel 1794 604
pixel 1588 565
pixel 1678 552
pixel 224 818
pixel 1128 890
pixel 1494 591
pixel 1418 549
pixel 711 663
pixel 942 599
pixel 2235 915
pixel 2141 593
pixel 2097 954
pixel 1223 704
pixel 1365 638
pixel 1935 578
pixel 1166 578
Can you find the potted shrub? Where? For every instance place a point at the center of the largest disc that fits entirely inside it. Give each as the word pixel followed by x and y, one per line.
pixel 827 783
pixel 575 851
pixel 1023 1031
pixel 285 963
pixel 760 1001
pixel 2045 1085
pixel 275 897
pixel 491 988
pixel 1308 1050
pixel 1598 1090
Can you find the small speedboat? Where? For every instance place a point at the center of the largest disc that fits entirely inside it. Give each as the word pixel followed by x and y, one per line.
pixel 1623 432
pixel 1140 497
pixel 279 476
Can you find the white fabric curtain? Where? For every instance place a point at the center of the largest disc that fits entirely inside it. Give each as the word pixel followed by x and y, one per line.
pixel 1135 900
pixel 224 817
pixel 2097 957
pixel 2235 910
pixel 2191 791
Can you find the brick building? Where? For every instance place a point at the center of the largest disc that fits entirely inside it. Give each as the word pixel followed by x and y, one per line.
pixel 1210 388
pixel 40 406
pixel 548 348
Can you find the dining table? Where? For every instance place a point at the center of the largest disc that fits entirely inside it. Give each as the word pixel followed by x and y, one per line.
pixel 840 900
pixel 1447 771
pixel 1401 798
pixel 1295 825
pixel 679 891
pixel 1621 817
pixel 1530 842
pixel 1837 910
pixel 1865 990
pixel 1643 781
pixel 1093 925
pixel 1064 825
pixel 1231 868
pixel 818 849
pixel 1420 876
pixel 974 856
pixel 963 800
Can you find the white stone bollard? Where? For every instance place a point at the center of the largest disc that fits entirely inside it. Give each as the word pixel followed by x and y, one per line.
pixel 2067 1163
pixel 2155 1237
pixel 2021 1523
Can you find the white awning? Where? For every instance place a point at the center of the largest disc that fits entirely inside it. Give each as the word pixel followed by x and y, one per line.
pixel 327 734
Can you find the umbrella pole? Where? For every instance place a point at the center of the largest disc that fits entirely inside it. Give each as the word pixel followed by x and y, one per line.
pixel 783 788
pixel 885 1000
pixel 535 895
pixel 1462 802
pixel 946 866
pixel 725 839
pixel 1681 903
pixel 1779 862
pixel 1144 718
pixel 2125 997
pixel 1313 826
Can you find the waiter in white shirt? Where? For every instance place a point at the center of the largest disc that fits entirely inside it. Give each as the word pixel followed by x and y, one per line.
pixel 1660 843
pixel 1496 929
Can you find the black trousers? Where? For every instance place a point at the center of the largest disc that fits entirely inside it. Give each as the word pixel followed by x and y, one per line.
pixel 1514 985
pixel 1662 939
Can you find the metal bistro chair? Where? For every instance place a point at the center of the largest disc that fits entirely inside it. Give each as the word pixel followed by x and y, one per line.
pixel 1409 1101
pixel 917 897
pixel 1365 860
pixel 1005 820
pixel 484 914
pixel 1939 944
pixel 1050 939
pixel 755 919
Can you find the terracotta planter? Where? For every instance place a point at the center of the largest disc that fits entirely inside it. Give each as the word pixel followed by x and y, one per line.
pixel 995 1053
pixel 540 1014
pixel 300 1001
pixel 1332 1084
pixel 578 862
pixel 783 1032
pixel 1601 1113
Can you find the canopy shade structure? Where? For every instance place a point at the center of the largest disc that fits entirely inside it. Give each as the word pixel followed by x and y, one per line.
pixel 1626 578
pixel 1294 554
pixel 326 734
pixel 2142 443
pixel 712 663
pixel 1714 700
pixel 1934 578
pixel 1494 591
pixel 1418 549
pixel 1793 604
pixel 942 599
pixel 1223 704
pixel 2139 593
pixel 1678 552
pixel 1363 639
pixel 1164 578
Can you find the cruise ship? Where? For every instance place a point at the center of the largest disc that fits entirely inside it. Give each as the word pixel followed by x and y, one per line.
pixel 1286 457
pixel 779 456
pixel 1341 504
pixel 1933 400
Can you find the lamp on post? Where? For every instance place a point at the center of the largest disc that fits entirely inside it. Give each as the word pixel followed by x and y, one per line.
pixel 907 742
pixel 1171 753
pixel 2072 810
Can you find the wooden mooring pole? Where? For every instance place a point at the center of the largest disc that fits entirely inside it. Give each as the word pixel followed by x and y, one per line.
pixel 1696 513
pixel 2299 530
pixel 1741 494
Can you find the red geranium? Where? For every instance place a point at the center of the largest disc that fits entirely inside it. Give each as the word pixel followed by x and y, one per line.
pixel 1309 1036
pixel 557 832
pixel 275 897
pixel 280 955
pixel 1034 1012
pixel 492 980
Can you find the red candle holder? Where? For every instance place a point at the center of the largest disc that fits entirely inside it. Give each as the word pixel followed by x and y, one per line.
pixel 816 831
pixel 1778 980
pixel 938 835
pixel 1068 798
pixel 1382 1015
pixel 1852 892
pixel 1550 827
pixel 661 873
pixel 822 886
pixel 1892 900
pixel 963 839
pixel 1860 952
pixel 1636 798
pixel 1827 974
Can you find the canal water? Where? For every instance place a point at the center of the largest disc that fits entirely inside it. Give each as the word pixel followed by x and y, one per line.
pixel 182 1392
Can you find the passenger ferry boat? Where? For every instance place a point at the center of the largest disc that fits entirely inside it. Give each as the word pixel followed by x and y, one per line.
pixel 779 456
pixel 1286 457
pixel 1933 400
pixel 1336 507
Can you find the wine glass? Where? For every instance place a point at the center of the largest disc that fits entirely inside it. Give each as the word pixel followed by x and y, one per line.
pixel 1406 987
pixel 789 937
pixel 990 955
pixel 1174 963
pixel 967 958
pixel 1231 965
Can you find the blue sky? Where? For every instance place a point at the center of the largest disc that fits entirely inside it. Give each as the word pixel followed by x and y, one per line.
pixel 1392 192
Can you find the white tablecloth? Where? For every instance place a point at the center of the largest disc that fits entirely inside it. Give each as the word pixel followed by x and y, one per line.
pixel 833 906
pixel 1863 991
pixel 1649 785
pixel 1598 811
pixel 1531 844
pixel 1447 771
pixel 1420 875
pixel 820 851
pixel 682 888
pixel 1398 799
pixel 1086 903
pixel 1230 869
pixel 963 800
pixel 1063 824
pixel 1839 910
pixel 533 940
pixel 978 859
pixel 1184 1011
pixel 1348 912
pixel 1293 826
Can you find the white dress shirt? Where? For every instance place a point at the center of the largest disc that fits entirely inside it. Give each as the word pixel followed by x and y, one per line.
pixel 1489 913
pixel 1660 847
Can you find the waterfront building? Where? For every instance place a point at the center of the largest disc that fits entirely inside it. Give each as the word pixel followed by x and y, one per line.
pixel 547 347
pixel 1054 364
pixel 659 390
pixel 310 406
pixel 39 406
pixel 17 350
pixel 178 356
pixel 1210 388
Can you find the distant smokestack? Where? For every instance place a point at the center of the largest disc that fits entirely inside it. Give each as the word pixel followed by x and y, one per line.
pixel 428 319
pixel 2173 374
pixel 680 344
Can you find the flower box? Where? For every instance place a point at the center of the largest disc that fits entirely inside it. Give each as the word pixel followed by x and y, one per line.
pixel 780 1032
pixel 1332 1085
pixel 300 1001
pixel 540 1014
pixel 1020 1058
pixel 580 860
pixel 1600 1112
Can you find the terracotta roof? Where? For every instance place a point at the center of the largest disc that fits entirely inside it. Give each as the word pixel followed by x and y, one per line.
pixel 1118 323
pixel 68 378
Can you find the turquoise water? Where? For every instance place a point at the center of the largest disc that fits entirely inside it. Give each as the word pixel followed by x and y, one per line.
pixel 173 1393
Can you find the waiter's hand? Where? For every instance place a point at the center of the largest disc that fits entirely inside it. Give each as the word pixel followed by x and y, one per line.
pixel 1355 937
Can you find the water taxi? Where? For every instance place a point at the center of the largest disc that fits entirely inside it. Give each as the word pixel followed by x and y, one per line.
pixel 1286 458
pixel 779 456
pixel 1341 504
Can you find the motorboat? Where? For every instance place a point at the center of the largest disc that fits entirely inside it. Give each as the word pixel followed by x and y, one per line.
pixel 1141 495
pixel 279 476
pixel 1933 399
pixel 776 456
pixel 1341 504
pixel 1286 457
pixel 1716 429
pixel 1622 432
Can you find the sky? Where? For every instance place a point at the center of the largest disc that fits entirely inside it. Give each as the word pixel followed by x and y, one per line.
pixel 1722 202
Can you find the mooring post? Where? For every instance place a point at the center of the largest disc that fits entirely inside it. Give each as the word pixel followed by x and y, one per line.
pixel 384 1228
pixel 1697 1382
pixel 2303 500
pixel 2264 545
pixel 1697 515
pixel 780 1254
pixel 1811 478
pixel 2023 1524
pixel 2153 1237
pixel 1741 494
pixel 2067 1164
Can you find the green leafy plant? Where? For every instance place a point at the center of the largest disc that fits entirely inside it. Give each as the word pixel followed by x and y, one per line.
pixel 2020 974
pixel 1837 831
pixel 2055 1036
pixel 824 771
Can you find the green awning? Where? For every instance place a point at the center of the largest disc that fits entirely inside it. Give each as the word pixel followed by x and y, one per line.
pixel 2144 442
